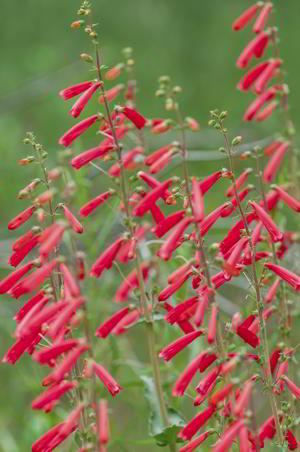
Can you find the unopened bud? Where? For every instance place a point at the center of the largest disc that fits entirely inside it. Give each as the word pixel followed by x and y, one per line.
pixel 169 105
pixel 86 57
pixel 177 89
pixel 77 23
pixel 27 160
pixel 160 93
pixel 164 79
pixel 223 114
pixel 127 52
pixel 236 140
pixel 245 155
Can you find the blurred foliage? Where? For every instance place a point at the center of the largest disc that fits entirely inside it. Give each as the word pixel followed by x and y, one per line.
pixel 191 41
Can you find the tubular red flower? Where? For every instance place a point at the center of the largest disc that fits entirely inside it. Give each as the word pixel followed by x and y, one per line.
pixel 161 163
pixel 292 441
pixel 22 241
pixel 106 259
pixel 48 355
pixel 21 218
pixel 72 220
pixel 275 233
pixel 245 18
pixel 272 291
pixel 228 436
pixel 149 200
pixel 288 199
pixel 274 358
pixel 272 147
pixel 160 126
pixel 168 223
pixel 179 272
pixel 210 219
pixel 201 308
pixel 128 161
pixel 258 103
pixel 52 394
pixel 16 258
pixel 212 325
pixel 292 387
pixel 196 423
pixel 266 112
pixel 156 155
pixel 291 278
pixel 247 336
pixel 51 238
pixel 250 77
pixel 221 394
pixel 65 316
pixel 103 432
pixel 171 243
pixel 197 201
pixel 69 281
pixel 114 72
pixel 93 203
pixel 176 313
pixel 106 327
pixel 242 401
pixel 74 90
pixel 195 443
pixel 262 18
pixel 83 100
pixel 131 282
pixel 111 94
pixel 113 387
pixel 138 120
pixel 240 181
pixel 77 130
pixel 209 181
pixel 266 75
pixel 20 347
pixel 255 47
pixel 29 305
pixel 179 344
pixel 65 365
pixel 7 283
pixel 184 324
pixel 37 278
pixel 91 154
pixel 72 422
pixel 267 430
pixel 207 384
pixel 170 289
pixel 153 183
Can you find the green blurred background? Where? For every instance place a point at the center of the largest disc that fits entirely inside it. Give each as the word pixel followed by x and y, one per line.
pixel 191 41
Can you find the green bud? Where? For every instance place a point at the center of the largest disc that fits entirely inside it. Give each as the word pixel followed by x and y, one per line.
pixel 160 93
pixel 223 114
pixel 236 140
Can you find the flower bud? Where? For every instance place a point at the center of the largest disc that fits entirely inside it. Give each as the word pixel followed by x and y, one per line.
pixel 86 57
pixel 236 140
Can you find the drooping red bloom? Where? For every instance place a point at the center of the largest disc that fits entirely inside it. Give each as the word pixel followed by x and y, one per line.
pixel 111 94
pixel 114 72
pixel 21 218
pixel 197 201
pixel 72 220
pixel 266 75
pixel 250 77
pixel 22 241
pixel 245 18
pixel 221 394
pixel 51 238
pixel 50 440
pixel 197 422
pixel 275 161
pixel 156 155
pixel 183 324
pixel 179 344
pixel 167 223
pixel 102 427
pixel 176 313
pixel 65 316
pixel 272 147
pixel 83 100
pixel 291 278
pixel 209 181
pixel 212 325
pixel 210 219
pixel 242 401
pixel 201 308
pixel 69 281
pixel 272 291
pixel 29 305
pixel 91 154
pixel 94 203
pixel 72 422
pixel 255 47
pixel 106 259
pixel 292 387
pixel 267 430
pixel 160 126
pixel 138 120
pixel 201 362
pixel 288 199
pixel 275 233
pixel 106 327
pixel 160 163
pixel 234 233
pixel 52 394
pixel 274 358
pixel 33 281
pixel 259 102
pixel 171 243
pixel 195 443
pixel 22 345
pixel 179 272
pixel 16 258
pixel 172 288
pixel 228 436
pixel 149 200
pixel 131 282
pixel 48 355
pixel 74 90
pixel 7 283
pixel 77 130
pixel 267 111
pixel 240 181
pixel 127 160
pixel 65 366
pixel 113 387
pixel 247 336
pixel 207 384
pixel 292 441
pixel 262 18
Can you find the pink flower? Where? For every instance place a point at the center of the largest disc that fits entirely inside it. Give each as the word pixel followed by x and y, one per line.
pixel 7 283
pixel 156 155
pixel 195 443
pixel 106 259
pixel 50 440
pixel 138 120
pixel 288 276
pixel 288 199
pixel 180 271
pixel 131 282
pixel 65 366
pixel 201 308
pixel 33 281
pixel 275 233
pixel 160 126
pixel 111 94
pixel 221 394
pixel 91 154
pixel 250 77
pixel 52 394
pixel 272 291
pixel 72 91
pixel 69 281
pixel 272 147
pixel 228 436
pixel 77 130
pixel 266 75
pixel 103 432
pixel 83 100
pixel 73 222
pixel 292 387
pixel 161 163
pixel 114 72
pixel 51 238
pixel 242 401
pixel 197 201
pixel 22 241
pixel 113 387
pixel 240 181
pixel 255 47
pixel 179 344
pixel 262 18
pixel 64 317
pixel 282 370
pixel 207 384
pixel 106 327
pixel 21 218
pixel 127 160
pixel 245 18
pixel 171 243
pixel 196 423
pixel 259 102
pixel 266 112
pixel 93 203
pixel 149 200
pixel 212 325
pixel 72 422
pixel 168 223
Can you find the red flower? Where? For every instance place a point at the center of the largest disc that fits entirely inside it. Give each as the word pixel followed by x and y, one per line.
pixel 161 163
pixel 69 281
pixel 242 401
pixel 245 18
pixel 114 72
pixel 103 432
pixel 197 201
pixel 7 283
pixel 48 355
pixel 172 288
pixel 275 233
pixel 195 443
pixel 288 276
pixel 292 387
pixel 113 387
pixel 259 102
pixel 196 423
pixel 250 77
pixel 240 181
pixel 176 313
pixel 171 243
pixel 127 160
pixel 266 75
pixel 106 259
pixel 272 291
pixel 29 305
pixel 83 100
pixel 221 394
pixel 209 181
pixel 73 222
pixel 52 394
pixel 77 130
pixel 288 199
pixel 292 441
pixel 210 219
pixel 275 161
pixel 247 336
pixel 156 155
pixel 106 327
pixel 228 436
pixel 138 120
pixel 168 223
pixel 74 90
pixel 21 346
pixel 149 200
pixel 179 344
pixel 266 112
pixel 20 255
pixel 93 203
pixel 208 383
pixel 51 238
pixel 255 47
pixel 21 218
pixel 33 281
pixel 111 94
pixel 212 325
pixel 131 282
pixel 262 18
pixel 91 154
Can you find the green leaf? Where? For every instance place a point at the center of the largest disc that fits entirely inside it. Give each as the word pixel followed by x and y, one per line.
pixel 163 435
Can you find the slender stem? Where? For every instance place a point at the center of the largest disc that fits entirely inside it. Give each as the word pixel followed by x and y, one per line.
pixel 263 330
